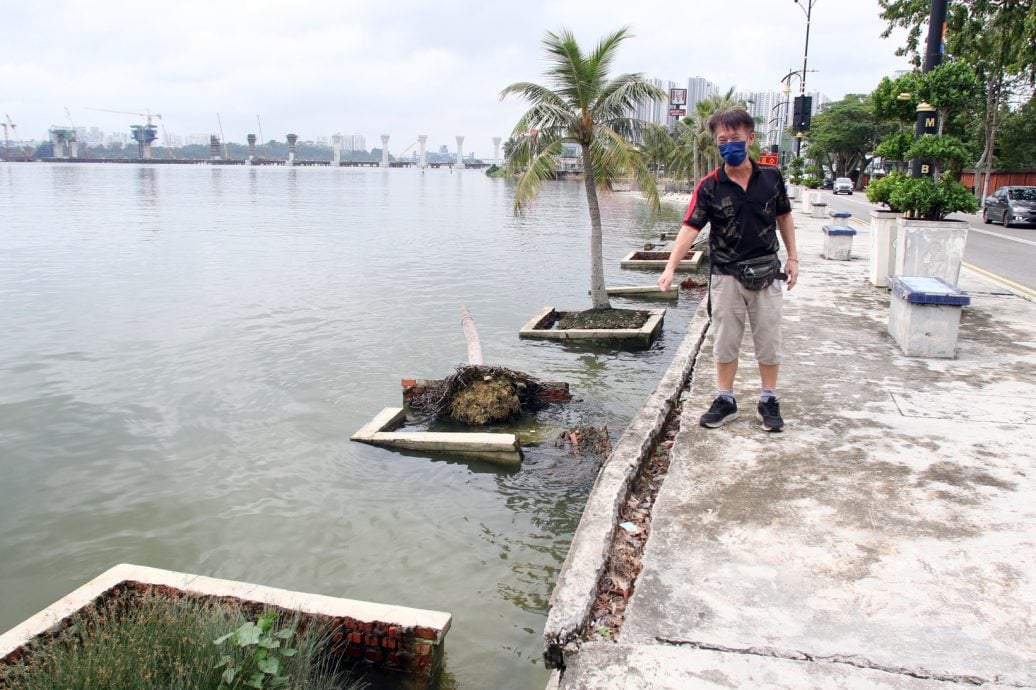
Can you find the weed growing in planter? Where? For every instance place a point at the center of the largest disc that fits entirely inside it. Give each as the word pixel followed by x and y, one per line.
pixel 261 665
pixel 161 641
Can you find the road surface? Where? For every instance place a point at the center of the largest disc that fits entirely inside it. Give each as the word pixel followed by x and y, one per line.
pixel 1006 253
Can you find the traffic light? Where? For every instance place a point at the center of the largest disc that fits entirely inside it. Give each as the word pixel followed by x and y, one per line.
pixel 800 113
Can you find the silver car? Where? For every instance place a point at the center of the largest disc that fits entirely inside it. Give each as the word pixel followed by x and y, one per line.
pixel 843 185
pixel 1009 205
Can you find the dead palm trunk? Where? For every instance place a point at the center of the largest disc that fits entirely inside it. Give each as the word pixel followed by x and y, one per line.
pixel 598 293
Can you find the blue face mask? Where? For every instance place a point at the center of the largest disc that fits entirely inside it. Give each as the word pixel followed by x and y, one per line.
pixel 734 152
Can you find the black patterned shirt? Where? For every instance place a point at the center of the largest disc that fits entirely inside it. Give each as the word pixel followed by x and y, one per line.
pixel 744 222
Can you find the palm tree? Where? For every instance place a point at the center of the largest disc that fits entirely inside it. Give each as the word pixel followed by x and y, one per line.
pixel 582 106
pixel 696 153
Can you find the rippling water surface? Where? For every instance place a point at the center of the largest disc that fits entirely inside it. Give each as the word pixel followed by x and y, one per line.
pixel 185 351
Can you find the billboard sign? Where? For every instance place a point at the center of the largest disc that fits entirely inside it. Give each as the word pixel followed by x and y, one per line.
pixel 677 97
pixel 768 158
pixel 677 112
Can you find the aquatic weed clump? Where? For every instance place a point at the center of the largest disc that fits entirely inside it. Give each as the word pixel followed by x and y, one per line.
pixel 480 395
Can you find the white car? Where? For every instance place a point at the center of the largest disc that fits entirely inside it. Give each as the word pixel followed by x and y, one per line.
pixel 843 184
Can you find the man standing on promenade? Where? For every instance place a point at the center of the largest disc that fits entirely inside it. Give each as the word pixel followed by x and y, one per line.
pixel 746 205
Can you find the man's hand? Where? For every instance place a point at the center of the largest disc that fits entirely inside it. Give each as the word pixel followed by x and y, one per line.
pixel 791 267
pixel 665 280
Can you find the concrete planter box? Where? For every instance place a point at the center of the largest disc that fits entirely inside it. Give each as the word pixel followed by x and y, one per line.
pixel 883 246
pixel 838 242
pixel 924 315
pixel 394 638
pixel 541 326
pixel 658 260
pixel 807 201
pixel 819 209
pixel 931 248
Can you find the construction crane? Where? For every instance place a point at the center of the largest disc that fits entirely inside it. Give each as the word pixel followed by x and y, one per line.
pixel 142 134
pixel 8 125
pixel 147 113
pixel 73 142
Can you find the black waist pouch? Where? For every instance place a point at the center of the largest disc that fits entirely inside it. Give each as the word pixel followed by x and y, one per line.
pixel 759 273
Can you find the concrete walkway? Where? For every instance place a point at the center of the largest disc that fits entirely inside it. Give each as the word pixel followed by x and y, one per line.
pixel 886 539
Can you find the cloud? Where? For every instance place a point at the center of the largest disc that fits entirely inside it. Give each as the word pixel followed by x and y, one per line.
pixel 405 67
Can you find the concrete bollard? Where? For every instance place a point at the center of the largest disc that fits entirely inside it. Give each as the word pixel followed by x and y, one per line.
pixel 819 209
pixel 924 315
pixel 838 242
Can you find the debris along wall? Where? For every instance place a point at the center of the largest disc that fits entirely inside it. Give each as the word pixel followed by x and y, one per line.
pixel 577 585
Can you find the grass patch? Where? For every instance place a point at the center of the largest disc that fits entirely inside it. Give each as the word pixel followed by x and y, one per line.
pixel 169 642
pixel 609 319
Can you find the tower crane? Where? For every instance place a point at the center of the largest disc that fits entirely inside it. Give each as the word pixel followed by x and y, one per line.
pixel 8 125
pixel 146 114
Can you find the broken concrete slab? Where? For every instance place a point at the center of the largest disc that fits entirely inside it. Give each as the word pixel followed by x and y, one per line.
pixel 495 447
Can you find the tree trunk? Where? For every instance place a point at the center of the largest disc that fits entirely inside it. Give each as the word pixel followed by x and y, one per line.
pixel 467 324
pixel 598 293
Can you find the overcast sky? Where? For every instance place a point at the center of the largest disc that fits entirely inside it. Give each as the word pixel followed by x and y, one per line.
pixel 398 67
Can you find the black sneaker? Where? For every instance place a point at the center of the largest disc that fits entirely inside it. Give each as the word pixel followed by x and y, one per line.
pixel 723 410
pixel 769 413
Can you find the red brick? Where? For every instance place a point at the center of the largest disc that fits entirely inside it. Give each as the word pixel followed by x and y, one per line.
pixel 374 656
pixel 393 631
pixel 426 633
pixel 354 652
pixel 366 627
pixel 355 638
pixel 388 643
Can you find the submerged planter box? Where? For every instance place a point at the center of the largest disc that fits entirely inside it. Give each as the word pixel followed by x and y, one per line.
pixel 933 248
pixel 541 326
pixel 494 447
pixel 395 638
pixel 658 260
pixel 648 291
pixel 924 315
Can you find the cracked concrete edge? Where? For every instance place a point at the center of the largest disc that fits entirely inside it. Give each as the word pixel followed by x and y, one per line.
pixel 576 586
pixel 855 660
pixel 677 667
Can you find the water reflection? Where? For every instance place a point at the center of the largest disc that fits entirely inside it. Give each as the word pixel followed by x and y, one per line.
pixel 187 402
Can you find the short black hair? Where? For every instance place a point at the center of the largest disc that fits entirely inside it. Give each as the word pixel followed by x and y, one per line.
pixel 732 118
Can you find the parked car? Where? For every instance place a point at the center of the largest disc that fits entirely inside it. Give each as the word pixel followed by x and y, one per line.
pixel 828 183
pixel 1009 205
pixel 843 184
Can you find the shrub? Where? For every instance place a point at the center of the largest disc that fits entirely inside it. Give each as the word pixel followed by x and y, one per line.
pixel 811 182
pixel 879 191
pixel 945 151
pixel 928 199
pixel 167 642
pixel 795 170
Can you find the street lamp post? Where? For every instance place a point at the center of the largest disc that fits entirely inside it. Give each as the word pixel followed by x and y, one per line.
pixel 807 7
